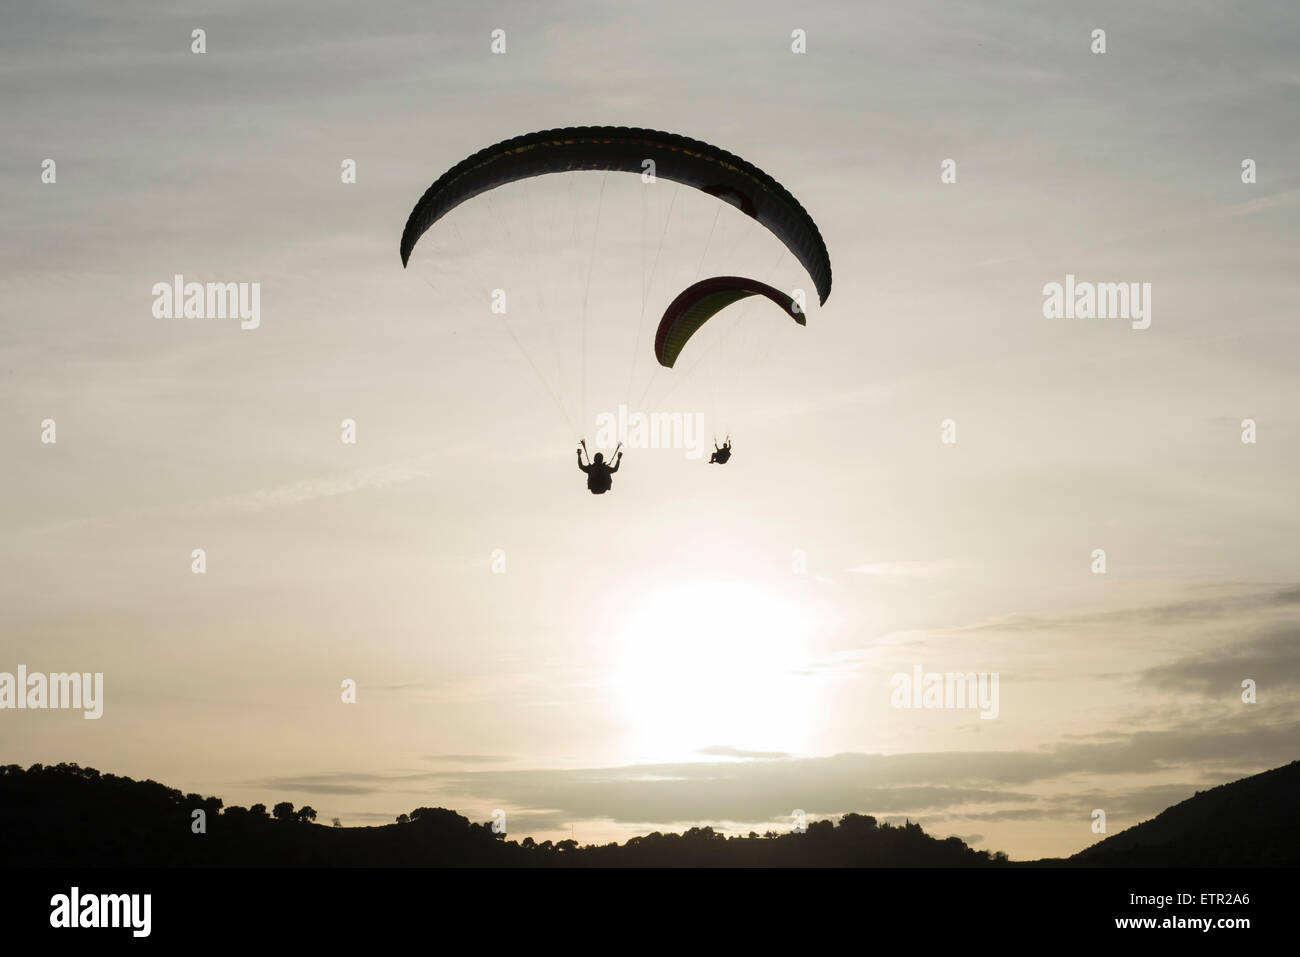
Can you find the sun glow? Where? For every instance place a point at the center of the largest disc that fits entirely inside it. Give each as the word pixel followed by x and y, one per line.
pixel 712 663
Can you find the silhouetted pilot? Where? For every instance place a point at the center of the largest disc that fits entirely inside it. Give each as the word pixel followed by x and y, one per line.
pixel 720 455
pixel 598 473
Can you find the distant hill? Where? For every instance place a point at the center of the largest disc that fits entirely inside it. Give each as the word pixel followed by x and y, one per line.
pixel 1248 823
pixel 71 816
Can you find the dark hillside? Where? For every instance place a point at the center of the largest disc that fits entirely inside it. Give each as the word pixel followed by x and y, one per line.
pixel 72 816
pixel 1248 823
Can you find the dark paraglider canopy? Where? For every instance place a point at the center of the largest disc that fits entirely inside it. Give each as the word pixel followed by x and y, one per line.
pixel 678 159
pixel 700 302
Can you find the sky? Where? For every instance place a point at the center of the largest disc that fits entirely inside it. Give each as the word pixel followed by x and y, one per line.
pixel 703 645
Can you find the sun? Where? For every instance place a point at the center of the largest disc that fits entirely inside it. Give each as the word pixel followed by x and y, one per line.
pixel 712 663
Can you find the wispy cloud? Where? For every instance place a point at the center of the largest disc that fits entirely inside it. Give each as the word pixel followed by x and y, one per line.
pixel 1235 600
pixel 468 758
pixel 328 486
pixel 263 499
pixel 1272 659
pixel 725 751
pixel 930 569
pixel 1249 208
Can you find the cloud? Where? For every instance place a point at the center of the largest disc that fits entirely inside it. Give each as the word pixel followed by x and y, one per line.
pixel 933 569
pixel 340 782
pixel 940 787
pixel 521 823
pixel 1249 208
pixel 725 751
pixel 309 490
pixel 468 758
pixel 1012 814
pixel 1232 600
pixel 1272 659
pixel 270 497
pixel 870 783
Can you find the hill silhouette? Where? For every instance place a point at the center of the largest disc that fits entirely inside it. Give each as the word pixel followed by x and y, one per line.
pixel 1246 823
pixel 70 816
